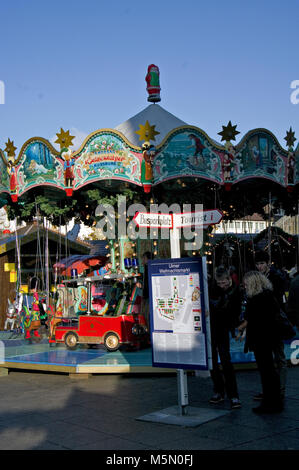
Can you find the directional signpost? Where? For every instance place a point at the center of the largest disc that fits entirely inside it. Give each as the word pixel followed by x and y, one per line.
pixel 198 219
pixel 153 220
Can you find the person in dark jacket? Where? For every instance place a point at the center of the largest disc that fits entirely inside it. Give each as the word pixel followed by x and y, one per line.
pixel 225 310
pixel 277 280
pixel 275 276
pixel 262 337
pixel 147 256
pixel 293 299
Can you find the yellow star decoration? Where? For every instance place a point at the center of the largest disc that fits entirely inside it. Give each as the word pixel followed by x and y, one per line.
pixel 290 138
pixel 64 139
pixel 10 149
pixel 228 132
pixel 147 132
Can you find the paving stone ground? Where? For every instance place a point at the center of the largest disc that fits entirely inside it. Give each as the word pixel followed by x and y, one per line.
pixel 47 411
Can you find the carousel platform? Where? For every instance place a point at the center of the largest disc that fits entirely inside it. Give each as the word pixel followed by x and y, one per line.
pixel 42 356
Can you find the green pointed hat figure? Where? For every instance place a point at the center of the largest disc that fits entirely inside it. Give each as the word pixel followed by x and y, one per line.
pixel 10 150
pixel 228 133
pixel 147 133
pixel 291 163
pixel 65 140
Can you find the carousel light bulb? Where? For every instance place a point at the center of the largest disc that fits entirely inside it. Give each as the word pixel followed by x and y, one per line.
pixel 194 253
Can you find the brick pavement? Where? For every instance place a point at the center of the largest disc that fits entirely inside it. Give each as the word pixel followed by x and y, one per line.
pixel 49 411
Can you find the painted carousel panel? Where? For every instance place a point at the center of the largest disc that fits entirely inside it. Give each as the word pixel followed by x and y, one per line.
pixel 107 156
pixel 39 166
pixel 187 152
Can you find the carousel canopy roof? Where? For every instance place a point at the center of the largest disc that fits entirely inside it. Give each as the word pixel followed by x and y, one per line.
pixel 79 262
pixel 256 165
pixel 163 120
pixel 31 232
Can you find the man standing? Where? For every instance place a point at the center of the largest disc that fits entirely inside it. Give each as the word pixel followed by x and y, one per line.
pixel 293 298
pixel 277 280
pixel 225 310
pixel 275 276
pixel 145 297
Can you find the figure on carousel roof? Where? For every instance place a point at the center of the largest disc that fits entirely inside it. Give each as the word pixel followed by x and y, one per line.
pixel 153 83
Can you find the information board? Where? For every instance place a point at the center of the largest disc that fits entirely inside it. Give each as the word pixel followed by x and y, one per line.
pixel 179 328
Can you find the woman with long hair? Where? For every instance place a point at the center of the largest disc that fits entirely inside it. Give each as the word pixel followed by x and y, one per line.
pixel 262 335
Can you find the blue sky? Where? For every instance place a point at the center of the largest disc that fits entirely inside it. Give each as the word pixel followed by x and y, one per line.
pixel 82 64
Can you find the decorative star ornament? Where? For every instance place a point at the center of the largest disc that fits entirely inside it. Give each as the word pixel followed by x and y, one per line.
pixel 228 132
pixel 10 149
pixel 290 138
pixel 64 139
pixel 147 132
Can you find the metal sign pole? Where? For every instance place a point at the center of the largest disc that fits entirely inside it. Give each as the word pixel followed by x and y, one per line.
pixel 183 414
pixel 183 398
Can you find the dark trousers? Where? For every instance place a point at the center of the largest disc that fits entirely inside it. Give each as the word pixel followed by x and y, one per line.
pixel 269 375
pixel 225 380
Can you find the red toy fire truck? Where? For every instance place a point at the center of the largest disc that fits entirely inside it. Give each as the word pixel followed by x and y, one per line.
pixel 112 316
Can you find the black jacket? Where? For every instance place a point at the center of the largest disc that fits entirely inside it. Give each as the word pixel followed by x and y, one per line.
pixel 261 312
pixel 278 282
pixel 145 282
pixel 225 309
pixel 293 301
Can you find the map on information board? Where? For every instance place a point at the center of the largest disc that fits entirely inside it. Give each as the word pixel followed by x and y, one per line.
pixel 177 303
pixel 178 323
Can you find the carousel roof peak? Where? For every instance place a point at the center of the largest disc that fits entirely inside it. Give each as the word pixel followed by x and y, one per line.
pixel 155 115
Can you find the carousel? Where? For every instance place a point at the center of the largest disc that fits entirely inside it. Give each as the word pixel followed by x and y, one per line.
pixel 152 158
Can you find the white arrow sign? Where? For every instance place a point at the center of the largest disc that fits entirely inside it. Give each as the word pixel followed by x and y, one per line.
pixel 155 220
pixel 197 219
pixel 185 219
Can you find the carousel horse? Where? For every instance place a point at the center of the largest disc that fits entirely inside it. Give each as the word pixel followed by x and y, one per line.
pixel 11 315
